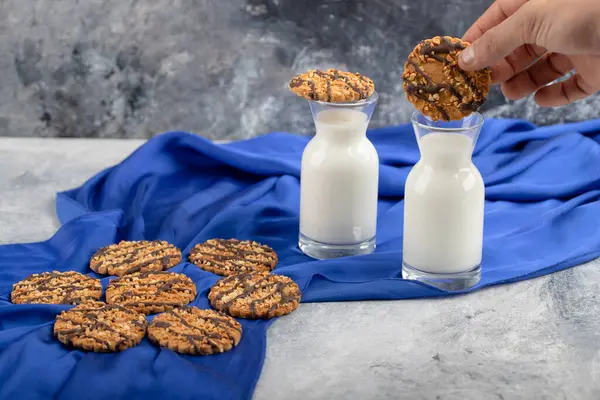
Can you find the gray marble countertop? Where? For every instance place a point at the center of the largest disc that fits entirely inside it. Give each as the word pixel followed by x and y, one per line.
pixel 220 68
pixel 537 339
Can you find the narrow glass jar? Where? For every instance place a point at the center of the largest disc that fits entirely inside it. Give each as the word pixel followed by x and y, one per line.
pixel 444 205
pixel 339 182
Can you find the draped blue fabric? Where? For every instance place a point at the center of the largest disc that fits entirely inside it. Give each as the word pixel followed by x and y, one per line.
pixel 542 209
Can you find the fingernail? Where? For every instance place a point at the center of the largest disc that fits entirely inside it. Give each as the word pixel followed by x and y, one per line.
pixel 467 56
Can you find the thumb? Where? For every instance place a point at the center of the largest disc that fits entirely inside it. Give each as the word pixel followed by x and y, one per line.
pixel 498 42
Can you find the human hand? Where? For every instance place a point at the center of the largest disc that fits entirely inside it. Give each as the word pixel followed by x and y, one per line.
pixel 529 44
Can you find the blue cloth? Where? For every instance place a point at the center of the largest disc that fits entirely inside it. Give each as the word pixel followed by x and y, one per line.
pixel 543 188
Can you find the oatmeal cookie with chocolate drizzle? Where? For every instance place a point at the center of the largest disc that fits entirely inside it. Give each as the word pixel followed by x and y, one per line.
pixel 332 85
pixel 55 287
pixel 127 257
pixel 437 86
pixel 255 295
pixel 228 257
pixel 100 327
pixel 190 330
pixel 151 292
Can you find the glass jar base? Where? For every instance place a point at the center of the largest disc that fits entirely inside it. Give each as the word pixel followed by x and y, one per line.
pixel 450 282
pixel 324 251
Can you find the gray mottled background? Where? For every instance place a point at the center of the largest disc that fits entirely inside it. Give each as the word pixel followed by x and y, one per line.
pixel 135 68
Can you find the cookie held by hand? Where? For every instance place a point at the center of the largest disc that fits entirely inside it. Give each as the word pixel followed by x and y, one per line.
pixel 437 86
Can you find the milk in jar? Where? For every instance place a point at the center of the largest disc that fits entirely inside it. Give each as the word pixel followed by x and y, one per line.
pixel 340 167
pixel 444 206
pixel 339 184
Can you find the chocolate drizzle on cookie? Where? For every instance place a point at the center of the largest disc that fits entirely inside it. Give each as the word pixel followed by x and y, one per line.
pixel 204 334
pixel 232 256
pixel 56 288
pixel 129 257
pixel 296 82
pixel 336 76
pixel 233 246
pixel 440 53
pixel 328 89
pixel 445 48
pixel 98 319
pixel 210 327
pixel 151 291
pixel 332 85
pixel 276 291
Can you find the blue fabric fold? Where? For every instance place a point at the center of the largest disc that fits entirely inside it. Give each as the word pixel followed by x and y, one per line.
pixel 542 204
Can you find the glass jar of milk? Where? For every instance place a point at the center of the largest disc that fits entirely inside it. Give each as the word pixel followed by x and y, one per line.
pixel 339 182
pixel 443 205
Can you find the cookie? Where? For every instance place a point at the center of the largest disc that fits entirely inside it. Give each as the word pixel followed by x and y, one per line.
pixel 255 295
pixel 56 288
pixel 332 86
pixel 190 330
pixel 228 257
pixel 151 292
pixel 100 327
pixel 128 257
pixel 437 86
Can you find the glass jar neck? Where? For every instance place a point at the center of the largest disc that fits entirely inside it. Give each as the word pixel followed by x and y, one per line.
pixel 447 150
pixel 340 134
pixel 446 160
pixel 341 125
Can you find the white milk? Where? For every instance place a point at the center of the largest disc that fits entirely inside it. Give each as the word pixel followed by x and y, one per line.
pixel 443 210
pixel 339 180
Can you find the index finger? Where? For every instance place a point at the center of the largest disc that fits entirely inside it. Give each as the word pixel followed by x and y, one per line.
pixel 494 15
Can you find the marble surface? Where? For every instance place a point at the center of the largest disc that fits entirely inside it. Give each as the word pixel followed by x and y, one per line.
pixel 537 339
pixel 134 68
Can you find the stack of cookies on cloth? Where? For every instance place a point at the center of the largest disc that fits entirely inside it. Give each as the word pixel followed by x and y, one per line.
pixel 143 286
